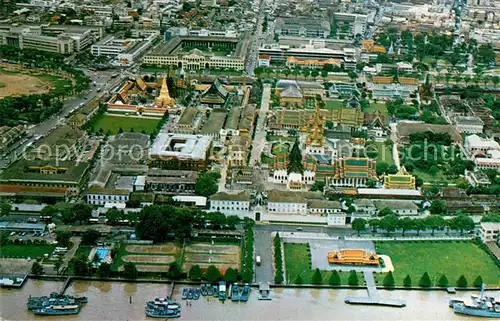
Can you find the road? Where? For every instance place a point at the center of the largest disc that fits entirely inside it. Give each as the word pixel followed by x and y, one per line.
pixel 71 252
pixel 332 231
pixel 394 138
pixel 260 135
pixel 254 46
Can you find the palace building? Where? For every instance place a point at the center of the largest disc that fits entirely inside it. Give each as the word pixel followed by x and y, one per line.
pixel 349 256
pixel 401 180
pixel 353 172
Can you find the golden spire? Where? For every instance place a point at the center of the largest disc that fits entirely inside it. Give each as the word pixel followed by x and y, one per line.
pixel 164 99
pixel 316 128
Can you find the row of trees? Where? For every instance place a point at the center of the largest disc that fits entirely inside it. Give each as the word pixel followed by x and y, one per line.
pixel 213 274
pixel 391 223
pixel 248 257
pixel 278 260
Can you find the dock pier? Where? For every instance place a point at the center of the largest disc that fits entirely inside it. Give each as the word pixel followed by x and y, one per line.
pixel 65 285
pixel 373 297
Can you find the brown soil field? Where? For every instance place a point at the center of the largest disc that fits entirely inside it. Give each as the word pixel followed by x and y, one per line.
pixel 153 249
pixel 216 249
pixel 214 258
pixel 19 84
pixel 162 259
pixel 152 268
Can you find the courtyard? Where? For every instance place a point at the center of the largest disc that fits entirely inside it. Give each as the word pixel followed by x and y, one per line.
pixel 205 254
pixel 127 124
pixel 147 258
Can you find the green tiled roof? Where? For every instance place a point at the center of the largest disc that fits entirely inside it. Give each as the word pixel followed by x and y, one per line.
pixel 400 178
pixel 358 174
pixel 356 162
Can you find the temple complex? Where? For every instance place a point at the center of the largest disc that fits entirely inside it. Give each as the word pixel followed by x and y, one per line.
pixel 350 256
pixel 400 180
pixel 164 100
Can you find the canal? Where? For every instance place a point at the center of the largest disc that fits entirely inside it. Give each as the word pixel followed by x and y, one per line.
pixel 111 301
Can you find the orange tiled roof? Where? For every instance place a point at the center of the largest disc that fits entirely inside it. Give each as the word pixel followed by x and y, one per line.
pixel 408 81
pixel 383 80
pixel 16 189
pixel 331 61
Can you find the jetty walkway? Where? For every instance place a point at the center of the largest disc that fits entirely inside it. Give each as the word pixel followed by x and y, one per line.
pixel 373 297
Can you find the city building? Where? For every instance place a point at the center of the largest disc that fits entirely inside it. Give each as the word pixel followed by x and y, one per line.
pixel 353 257
pixel 190 121
pixel 489 232
pixel 293 62
pixel 478 146
pixel 365 206
pixel 302 27
pixel 180 151
pixel 125 51
pixel 107 196
pixel 401 208
pixel 469 124
pixel 214 124
pixel 194 53
pixel 231 204
pixel 324 207
pixel 279 202
pixel 170 181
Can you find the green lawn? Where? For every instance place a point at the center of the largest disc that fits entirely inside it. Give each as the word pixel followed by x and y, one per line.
pixel 298 260
pixel 264 159
pixel 280 148
pixel 436 258
pixel 381 107
pixel 334 104
pixel 113 123
pixel 83 250
pixel 24 251
pixel 272 138
pixel 439 178
pixel 384 152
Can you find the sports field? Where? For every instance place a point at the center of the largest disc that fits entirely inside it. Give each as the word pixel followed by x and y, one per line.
pixel 147 258
pixel 127 124
pixel 437 258
pixel 204 255
pixel 24 251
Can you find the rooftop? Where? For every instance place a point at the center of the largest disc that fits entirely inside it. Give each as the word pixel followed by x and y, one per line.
pixel 396 205
pixel 214 123
pixel 33 171
pixel 107 191
pixel 182 146
pixel 243 196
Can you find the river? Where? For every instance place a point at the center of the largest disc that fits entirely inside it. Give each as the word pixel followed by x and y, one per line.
pixel 111 301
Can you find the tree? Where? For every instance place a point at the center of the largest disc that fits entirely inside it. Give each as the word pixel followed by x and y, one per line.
pixel 353 75
pixel 353 278
pixel 81 265
pixel 425 281
pixel 407 281
pixel 443 281
pixel 62 238
pixel 438 207
pixel 36 268
pixel 389 280
pixel 318 186
pixel 359 225
pixel 48 210
pixel 317 278
pixel 195 273
pixel 113 215
pixel 462 282
pixel 104 269
pixel 405 224
pixel 435 222
pixel 213 274
pixel 370 183
pixel 295 164
pixel 174 271
pixel 299 280
pixel 206 184
pixel 334 278
pixel 478 282
pixel 389 223
pixel 462 222
pixel 129 271
pixel 314 73
pixel 90 237
pixel 231 275
pixel 5 209
pixel 385 211
pixel 82 212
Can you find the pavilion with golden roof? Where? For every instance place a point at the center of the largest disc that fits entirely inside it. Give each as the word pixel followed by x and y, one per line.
pixel 401 180
pixel 164 100
pixel 353 257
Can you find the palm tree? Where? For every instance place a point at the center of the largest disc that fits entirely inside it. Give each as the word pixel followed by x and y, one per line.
pixel 495 80
pixel 447 78
pixel 467 79
pixel 457 79
pixel 439 78
pixel 486 80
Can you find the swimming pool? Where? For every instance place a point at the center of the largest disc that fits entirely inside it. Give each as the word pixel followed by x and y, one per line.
pixel 102 253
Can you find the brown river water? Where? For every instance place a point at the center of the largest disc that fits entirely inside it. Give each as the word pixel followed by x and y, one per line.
pixel 111 301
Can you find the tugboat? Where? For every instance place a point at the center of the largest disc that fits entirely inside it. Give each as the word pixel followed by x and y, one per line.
pixel 245 293
pixel 190 294
pixel 222 290
pixel 59 310
pixel 235 295
pixel 204 290
pixel 196 294
pixel 162 308
pixel 184 293
pixel 215 289
pixel 482 306
pixel 210 290
pixel 54 299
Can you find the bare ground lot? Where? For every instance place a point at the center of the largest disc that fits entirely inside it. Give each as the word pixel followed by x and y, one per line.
pixel 19 84
pixel 152 249
pixel 204 255
pixel 161 259
pixel 152 268
pixel 15 266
